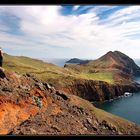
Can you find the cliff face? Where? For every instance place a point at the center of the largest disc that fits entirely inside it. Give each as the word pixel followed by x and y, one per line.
pixel 29 106
pixel 128 64
pixel 97 90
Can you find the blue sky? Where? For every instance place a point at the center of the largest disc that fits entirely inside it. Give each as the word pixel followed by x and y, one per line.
pixel 67 31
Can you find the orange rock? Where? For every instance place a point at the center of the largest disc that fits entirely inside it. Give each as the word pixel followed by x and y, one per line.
pixel 12 113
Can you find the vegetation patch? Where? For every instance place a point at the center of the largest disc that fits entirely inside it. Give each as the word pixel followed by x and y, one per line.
pixel 101 76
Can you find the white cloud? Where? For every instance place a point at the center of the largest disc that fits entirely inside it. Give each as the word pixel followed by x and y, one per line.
pixel 48 32
pixel 75 7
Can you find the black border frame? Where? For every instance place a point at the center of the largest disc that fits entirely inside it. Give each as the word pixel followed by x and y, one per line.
pixel 68 2
pixel 58 2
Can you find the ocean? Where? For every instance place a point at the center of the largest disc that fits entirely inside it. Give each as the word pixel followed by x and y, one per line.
pixel 57 61
pixel 125 107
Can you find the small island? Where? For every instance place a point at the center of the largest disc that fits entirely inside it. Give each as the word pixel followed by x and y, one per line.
pixel 77 61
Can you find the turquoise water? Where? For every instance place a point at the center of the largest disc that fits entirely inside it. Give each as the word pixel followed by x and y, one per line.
pixel 126 107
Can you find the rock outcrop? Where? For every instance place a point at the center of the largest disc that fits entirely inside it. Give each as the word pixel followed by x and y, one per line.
pixel 31 107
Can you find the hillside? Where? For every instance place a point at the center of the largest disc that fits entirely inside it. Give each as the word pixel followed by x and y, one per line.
pixel 29 106
pixel 47 71
pixel 42 70
pixel 85 80
pixel 114 66
pixel 109 76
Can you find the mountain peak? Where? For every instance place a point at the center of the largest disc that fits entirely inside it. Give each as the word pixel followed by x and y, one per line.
pixel 108 56
pixel 116 60
pixel 110 52
pixel 115 56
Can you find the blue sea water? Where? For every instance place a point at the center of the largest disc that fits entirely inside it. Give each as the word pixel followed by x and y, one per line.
pixel 126 107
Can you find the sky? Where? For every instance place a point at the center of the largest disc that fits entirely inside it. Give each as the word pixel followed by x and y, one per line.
pixel 69 31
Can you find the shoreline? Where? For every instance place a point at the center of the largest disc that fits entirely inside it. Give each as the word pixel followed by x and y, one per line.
pixel 97 103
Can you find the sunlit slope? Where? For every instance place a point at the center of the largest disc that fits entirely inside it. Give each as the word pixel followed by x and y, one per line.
pixel 45 71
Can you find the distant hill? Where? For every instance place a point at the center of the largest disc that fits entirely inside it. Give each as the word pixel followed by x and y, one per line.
pixel 77 61
pixel 113 67
pixel 116 60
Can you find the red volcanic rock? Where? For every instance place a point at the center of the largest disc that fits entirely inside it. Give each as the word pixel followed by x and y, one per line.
pixel 13 113
pixel 28 106
pixel 17 104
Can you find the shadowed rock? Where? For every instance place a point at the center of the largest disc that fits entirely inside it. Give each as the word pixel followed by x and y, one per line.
pixel 2 74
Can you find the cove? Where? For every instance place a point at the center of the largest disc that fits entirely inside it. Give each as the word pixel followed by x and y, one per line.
pixel 125 107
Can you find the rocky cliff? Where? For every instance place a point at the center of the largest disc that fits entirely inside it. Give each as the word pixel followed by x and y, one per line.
pixel 29 106
pixel 95 90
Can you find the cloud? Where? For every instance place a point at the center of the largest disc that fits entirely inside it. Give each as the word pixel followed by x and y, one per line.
pixel 75 7
pixel 46 32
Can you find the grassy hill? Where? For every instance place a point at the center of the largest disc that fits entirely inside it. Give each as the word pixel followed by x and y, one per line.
pixel 42 70
pixel 113 67
pixel 46 71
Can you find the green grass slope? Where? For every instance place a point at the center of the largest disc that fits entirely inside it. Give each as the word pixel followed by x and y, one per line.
pixel 45 71
pixel 42 70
